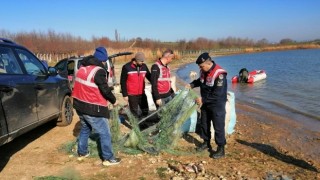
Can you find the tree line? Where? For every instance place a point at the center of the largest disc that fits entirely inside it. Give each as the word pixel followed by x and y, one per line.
pixel 52 42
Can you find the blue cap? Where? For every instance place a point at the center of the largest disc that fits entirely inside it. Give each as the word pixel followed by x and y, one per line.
pixel 101 54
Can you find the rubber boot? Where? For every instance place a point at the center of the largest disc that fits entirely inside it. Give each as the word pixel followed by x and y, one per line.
pixel 219 153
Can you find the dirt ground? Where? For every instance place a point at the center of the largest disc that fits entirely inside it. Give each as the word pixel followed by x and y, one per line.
pixel 263 146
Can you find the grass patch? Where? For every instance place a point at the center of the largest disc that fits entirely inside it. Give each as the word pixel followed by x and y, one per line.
pixel 161 171
pixel 50 178
pixel 66 174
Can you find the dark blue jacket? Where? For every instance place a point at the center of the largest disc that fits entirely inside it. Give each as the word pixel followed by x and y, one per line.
pixel 213 85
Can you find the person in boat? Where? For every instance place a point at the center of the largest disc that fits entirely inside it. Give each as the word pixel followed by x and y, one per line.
pixel 213 89
pixel 132 82
pixel 243 75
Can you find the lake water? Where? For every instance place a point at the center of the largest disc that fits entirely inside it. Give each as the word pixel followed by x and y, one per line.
pixel 291 89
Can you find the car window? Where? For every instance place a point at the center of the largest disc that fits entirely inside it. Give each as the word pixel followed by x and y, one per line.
pixel 61 65
pixel 8 62
pixel 31 63
pixel 70 67
pixel 2 67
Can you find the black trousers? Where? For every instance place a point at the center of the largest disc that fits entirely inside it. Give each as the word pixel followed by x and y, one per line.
pixel 216 114
pixel 138 105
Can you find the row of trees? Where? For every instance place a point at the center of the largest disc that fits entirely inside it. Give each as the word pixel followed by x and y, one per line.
pixel 51 42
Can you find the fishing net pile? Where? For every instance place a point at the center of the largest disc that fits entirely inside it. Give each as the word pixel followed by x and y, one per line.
pixel 159 136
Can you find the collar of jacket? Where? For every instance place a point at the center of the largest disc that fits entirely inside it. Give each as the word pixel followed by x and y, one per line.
pixel 161 62
pixel 133 65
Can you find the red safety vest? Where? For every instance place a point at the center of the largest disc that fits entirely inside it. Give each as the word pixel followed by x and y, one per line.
pixel 213 74
pixel 164 81
pixel 85 89
pixel 135 80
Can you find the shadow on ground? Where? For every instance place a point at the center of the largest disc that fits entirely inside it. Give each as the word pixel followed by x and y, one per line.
pixel 273 152
pixel 9 149
pixel 190 139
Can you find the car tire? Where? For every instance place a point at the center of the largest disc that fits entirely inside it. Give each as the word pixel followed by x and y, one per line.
pixel 66 114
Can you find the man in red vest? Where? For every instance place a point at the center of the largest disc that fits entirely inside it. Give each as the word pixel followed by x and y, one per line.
pixel 213 89
pixel 160 79
pixel 132 82
pixel 91 96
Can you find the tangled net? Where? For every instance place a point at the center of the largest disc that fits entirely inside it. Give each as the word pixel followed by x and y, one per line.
pixel 161 136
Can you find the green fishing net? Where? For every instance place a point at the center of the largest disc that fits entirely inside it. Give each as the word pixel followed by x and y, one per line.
pixel 164 134
pixel 161 135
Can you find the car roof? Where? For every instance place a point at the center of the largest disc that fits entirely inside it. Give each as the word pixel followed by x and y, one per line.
pixel 70 59
pixel 109 57
pixel 75 59
pixel 80 58
pixel 4 41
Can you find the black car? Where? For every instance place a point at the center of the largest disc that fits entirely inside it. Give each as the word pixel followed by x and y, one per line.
pixel 31 93
pixel 68 67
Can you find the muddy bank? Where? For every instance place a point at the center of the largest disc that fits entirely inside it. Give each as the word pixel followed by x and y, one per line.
pixel 280 132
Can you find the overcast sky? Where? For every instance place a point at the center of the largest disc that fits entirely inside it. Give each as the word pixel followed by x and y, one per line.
pixel 166 20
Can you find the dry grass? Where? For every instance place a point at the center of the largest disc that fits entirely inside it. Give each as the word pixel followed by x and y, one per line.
pixel 282 47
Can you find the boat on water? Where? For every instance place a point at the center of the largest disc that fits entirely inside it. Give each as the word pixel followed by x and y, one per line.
pixel 251 77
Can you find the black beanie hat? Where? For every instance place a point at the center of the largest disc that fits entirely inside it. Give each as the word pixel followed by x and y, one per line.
pixel 203 57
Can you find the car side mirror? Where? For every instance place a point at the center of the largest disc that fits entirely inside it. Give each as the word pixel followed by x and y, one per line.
pixel 52 71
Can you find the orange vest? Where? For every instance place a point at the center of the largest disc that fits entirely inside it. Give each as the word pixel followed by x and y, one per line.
pixel 85 89
pixel 164 81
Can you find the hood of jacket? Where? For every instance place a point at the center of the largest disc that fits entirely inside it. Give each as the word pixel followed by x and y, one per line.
pixel 91 60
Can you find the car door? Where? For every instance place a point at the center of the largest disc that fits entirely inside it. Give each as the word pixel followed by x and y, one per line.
pixel 3 124
pixel 18 96
pixel 61 67
pixel 46 87
pixel 71 71
pixel 67 69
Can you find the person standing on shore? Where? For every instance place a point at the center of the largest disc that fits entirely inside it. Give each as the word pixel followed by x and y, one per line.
pixel 213 89
pixel 160 79
pixel 132 82
pixel 91 96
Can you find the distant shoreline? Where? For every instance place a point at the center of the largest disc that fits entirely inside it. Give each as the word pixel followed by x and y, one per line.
pixel 189 59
